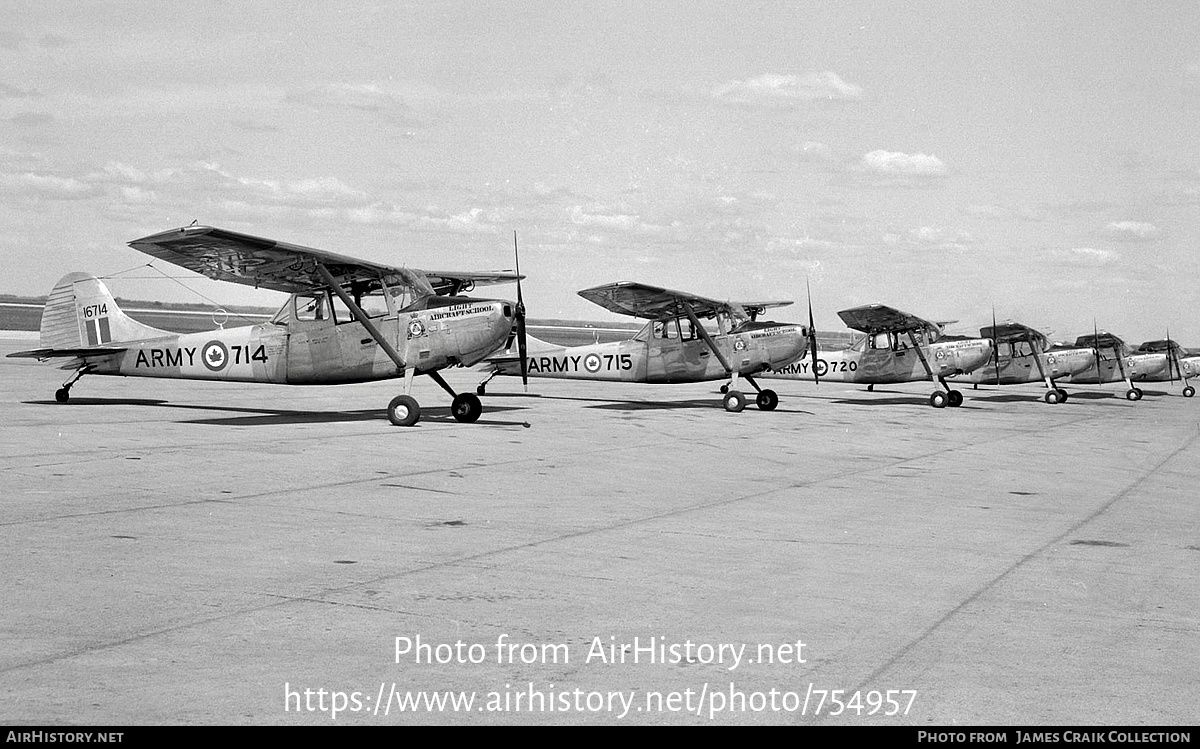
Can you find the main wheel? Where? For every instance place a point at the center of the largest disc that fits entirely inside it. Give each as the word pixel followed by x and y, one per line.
pixel 1062 395
pixel 1052 397
pixel 403 411
pixel 1189 391
pixel 956 398
pixel 466 408
pixel 62 395
pixel 1133 394
pixel 767 400
pixel 938 399
pixel 734 401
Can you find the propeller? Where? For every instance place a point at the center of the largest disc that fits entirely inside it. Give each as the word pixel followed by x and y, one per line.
pixel 812 334
pixel 522 347
pixel 996 345
pixel 1096 350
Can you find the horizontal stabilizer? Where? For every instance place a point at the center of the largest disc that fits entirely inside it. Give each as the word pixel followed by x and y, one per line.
pixel 42 354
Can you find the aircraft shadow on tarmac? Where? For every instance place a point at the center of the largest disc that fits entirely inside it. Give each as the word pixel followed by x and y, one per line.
pixel 610 404
pixel 275 416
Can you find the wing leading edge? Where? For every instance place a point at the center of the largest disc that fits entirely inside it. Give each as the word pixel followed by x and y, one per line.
pixel 656 303
pixel 225 255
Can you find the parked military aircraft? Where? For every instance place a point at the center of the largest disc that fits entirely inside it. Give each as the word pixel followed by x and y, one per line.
pixel 1119 364
pixel 1022 354
pixel 884 355
pixel 346 320
pixel 673 347
pixel 1179 364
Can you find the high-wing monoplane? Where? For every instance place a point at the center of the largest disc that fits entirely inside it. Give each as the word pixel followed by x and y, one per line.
pixel 1180 364
pixel 897 347
pixel 1022 354
pixel 673 347
pixel 1112 361
pixel 346 320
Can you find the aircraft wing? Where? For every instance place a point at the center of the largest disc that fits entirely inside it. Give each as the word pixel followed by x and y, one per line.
pixel 656 303
pixel 1103 340
pixel 1159 346
pixel 879 318
pixel 1013 332
pixel 269 264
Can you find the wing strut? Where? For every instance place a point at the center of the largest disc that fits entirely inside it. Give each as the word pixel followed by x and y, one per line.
pixel 711 344
pixel 361 317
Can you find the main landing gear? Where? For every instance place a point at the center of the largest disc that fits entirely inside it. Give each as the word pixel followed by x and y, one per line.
pixel 951 398
pixel 404 411
pixel 1133 394
pixel 1056 395
pixel 734 401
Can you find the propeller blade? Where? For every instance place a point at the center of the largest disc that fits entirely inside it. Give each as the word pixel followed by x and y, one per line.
pixel 996 345
pixel 1096 350
pixel 1171 361
pixel 812 334
pixel 522 342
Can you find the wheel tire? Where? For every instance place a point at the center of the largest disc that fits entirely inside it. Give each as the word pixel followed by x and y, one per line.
pixel 62 395
pixel 481 390
pixel 1189 391
pixel 403 411
pixel 767 400
pixel 724 389
pixel 466 408
pixel 1062 395
pixel 1051 397
pixel 1133 394
pixel 956 399
pixel 938 399
pixel 734 401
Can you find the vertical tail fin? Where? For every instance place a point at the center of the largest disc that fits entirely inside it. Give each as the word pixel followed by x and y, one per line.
pixel 81 312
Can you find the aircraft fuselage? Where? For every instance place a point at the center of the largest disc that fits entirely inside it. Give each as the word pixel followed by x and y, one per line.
pixel 880 366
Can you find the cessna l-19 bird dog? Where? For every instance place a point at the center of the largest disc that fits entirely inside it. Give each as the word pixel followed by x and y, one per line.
pixel 1119 364
pixel 346 320
pixel 674 346
pixel 1023 354
pixel 884 356
pixel 1180 365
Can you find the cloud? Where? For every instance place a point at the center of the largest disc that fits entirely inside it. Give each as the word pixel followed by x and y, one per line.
pixel 15 92
pixel 31 119
pixel 773 90
pixel 362 97
pixel 1084 256
pixel 1133 231
pixel 47 187
pixel 896 164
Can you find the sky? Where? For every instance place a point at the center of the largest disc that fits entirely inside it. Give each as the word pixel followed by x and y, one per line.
pixel 1038 159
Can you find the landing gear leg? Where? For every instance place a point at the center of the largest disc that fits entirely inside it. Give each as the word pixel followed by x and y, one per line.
pixel 63 394
pixel 465 407
pixel 767 400
pixel 481 389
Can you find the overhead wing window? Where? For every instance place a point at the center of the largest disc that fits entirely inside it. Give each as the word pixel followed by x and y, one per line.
pixel 312 307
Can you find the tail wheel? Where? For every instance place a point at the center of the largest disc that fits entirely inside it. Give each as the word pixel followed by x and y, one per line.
pixel 767 400
pixel 62 395
pixel 956 398
pixel 1052 397
pixel 481 390
pixel 403 411
pixel 1133 394
pixel 466 408
pixel 938 399
pixel 724 389
pixel 1189 391
pixel 734 401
